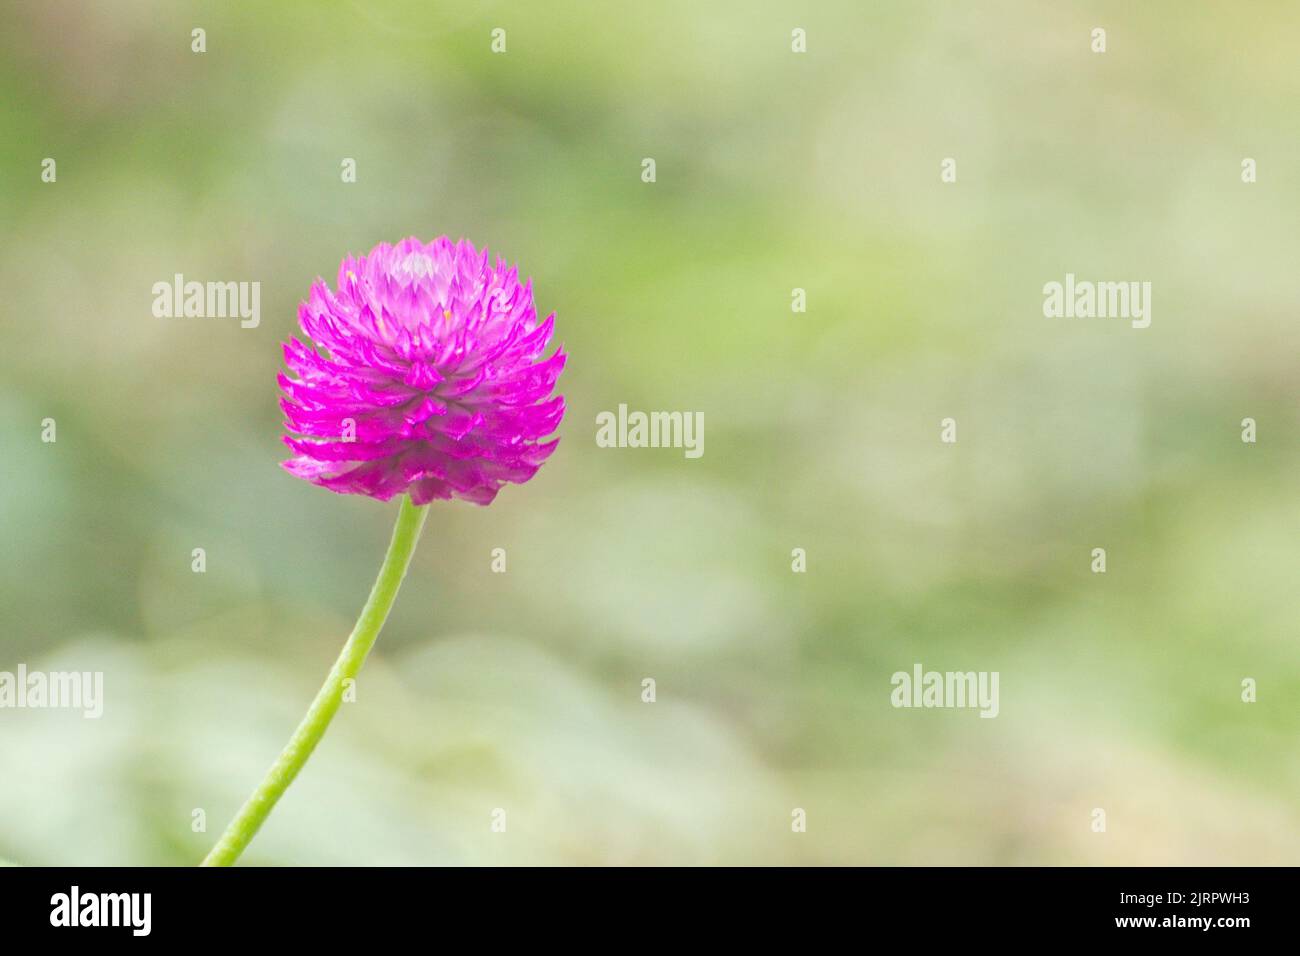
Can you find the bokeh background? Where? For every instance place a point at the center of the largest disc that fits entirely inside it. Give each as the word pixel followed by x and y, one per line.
pixel 775 170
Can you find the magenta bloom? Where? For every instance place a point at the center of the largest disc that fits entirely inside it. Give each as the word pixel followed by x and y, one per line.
pixel 431 381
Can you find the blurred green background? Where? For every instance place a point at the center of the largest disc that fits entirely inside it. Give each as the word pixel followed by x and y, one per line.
pixel 775 170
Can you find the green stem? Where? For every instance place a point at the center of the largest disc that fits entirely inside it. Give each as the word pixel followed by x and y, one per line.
pixel 242 829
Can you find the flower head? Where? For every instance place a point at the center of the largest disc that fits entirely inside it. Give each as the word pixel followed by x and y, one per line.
pixel 432 380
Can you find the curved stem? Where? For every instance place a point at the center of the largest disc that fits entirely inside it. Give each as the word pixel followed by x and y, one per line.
pixel 242 829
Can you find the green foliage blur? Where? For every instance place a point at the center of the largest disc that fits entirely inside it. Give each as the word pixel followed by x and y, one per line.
pixel 775 171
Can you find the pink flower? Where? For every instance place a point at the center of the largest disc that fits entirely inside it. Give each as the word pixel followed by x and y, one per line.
pixel 431 381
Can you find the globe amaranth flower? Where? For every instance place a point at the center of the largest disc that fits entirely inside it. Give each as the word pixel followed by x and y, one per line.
pixel 431 381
